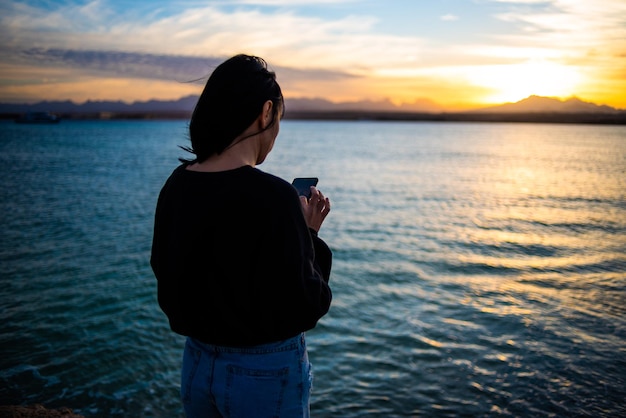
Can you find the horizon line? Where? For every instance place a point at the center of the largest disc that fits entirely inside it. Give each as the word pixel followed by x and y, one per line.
pixel 383 101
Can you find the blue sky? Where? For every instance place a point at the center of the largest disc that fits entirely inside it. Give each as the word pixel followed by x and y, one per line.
pixel 458 53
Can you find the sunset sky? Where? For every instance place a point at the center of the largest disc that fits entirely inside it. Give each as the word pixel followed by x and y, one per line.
pixel 458 53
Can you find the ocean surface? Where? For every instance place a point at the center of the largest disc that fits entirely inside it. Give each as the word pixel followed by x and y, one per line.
pixel 479 270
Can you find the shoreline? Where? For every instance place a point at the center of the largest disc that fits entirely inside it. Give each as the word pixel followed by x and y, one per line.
pixel 618 118
pixel 37 410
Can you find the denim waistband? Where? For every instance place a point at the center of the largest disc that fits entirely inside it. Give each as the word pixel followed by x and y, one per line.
pixel 273 347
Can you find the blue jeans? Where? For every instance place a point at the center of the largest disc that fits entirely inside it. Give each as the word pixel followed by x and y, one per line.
pixel 269 380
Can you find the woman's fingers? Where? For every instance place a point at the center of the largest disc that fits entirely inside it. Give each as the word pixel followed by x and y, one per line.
pixel 315 208
pixel 326 207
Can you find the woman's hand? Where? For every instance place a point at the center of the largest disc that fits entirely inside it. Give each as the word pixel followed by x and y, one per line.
pixel 315 209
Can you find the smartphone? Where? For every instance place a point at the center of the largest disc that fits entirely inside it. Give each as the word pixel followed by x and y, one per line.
pixel 303 185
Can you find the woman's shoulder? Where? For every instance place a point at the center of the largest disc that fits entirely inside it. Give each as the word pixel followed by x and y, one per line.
pixel 255 181
pixel 276 187
pixel 272 180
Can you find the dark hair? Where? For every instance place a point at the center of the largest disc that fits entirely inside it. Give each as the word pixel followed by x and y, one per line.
pixel 232 99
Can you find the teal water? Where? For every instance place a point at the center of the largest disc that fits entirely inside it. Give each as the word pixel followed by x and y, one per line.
pixel 480 269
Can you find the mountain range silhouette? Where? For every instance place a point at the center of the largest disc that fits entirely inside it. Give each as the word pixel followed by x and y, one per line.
pixel 532 108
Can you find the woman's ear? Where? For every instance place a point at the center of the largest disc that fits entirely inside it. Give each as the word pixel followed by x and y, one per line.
pixel 266 114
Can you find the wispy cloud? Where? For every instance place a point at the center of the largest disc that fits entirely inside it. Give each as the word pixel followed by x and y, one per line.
pixel 317 53
pixel 287 38
pixel 569 21
pixel 288 2
pixel 449 18
pixel 123 64
pixel 582 38
pixel 176 68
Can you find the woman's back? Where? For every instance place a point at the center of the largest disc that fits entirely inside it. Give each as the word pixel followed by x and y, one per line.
pixel 232 255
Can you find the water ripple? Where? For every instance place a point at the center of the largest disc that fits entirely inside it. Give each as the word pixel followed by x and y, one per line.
pixel 472 275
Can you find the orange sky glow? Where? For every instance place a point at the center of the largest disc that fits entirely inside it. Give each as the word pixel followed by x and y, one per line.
pixel 460 54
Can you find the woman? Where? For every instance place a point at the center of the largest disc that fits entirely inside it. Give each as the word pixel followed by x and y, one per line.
pixel 241 271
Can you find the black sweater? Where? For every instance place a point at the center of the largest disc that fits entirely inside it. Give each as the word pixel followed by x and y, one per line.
pixel 235 262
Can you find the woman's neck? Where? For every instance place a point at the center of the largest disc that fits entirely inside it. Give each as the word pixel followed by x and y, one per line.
pixel 241 154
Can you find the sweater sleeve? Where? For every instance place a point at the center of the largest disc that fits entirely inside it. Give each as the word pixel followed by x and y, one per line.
pixel 304 263
pixel 323 255
pixel 163 247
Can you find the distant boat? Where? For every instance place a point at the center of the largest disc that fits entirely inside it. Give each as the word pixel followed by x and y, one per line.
pixel 38 117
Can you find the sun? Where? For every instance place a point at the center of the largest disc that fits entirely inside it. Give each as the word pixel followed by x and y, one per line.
pixel 510 83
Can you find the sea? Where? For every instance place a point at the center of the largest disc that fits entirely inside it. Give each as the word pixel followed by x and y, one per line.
pixel 479 268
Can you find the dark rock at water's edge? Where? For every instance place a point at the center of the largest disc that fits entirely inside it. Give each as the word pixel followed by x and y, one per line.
pixel 36 411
